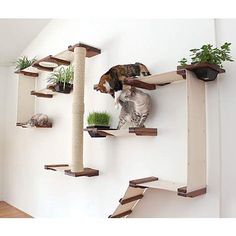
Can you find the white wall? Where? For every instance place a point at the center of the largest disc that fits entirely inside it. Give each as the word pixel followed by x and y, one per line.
pixel 225 33
pixel 3 78
pixel 157 43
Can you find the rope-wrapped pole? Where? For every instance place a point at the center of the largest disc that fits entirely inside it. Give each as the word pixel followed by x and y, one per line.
pixel 78 109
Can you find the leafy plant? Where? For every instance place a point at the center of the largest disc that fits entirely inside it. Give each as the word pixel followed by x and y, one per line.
pixel 62 76
pixel 99 118
pixel 207 53
pixel 23 62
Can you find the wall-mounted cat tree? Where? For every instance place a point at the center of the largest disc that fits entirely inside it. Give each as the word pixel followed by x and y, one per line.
pixel 196 142
pixel 76 53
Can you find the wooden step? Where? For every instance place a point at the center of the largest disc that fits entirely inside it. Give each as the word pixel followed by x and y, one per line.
pixel 134 183
pixel 125 213
pixel 130 199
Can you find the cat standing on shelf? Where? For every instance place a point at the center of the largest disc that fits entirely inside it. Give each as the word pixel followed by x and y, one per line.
pixel 112 81
pixel 135 109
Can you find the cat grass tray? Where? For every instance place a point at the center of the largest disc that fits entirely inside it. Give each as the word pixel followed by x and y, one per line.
pixel 98 133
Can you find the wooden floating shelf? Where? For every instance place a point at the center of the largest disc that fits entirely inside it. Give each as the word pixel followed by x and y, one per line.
pixel 151 82
pixel 23 125
pixel 65 168
pixel 62 58
pixel 204 71
pixel 65 57
pixel 97 133
pixel 27 73
pixel 44 93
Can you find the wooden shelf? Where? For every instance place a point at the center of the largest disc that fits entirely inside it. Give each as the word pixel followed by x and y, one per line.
pixel 150 82
pixel 156 183
pixel 97 133
pixel 28 72
pixel 65 168
pixel 23 125
pixel 44 93
pixel 62 58
pixel 65 57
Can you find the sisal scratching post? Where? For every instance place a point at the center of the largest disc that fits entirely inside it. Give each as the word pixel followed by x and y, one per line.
pixel 78 110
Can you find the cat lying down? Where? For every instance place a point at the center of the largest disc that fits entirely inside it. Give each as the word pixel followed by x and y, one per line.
pixel 39 120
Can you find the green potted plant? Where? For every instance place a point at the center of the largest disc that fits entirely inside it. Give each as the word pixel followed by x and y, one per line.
pixel 99 120
pixel 206 62
pixel 23 63
pixel 62 80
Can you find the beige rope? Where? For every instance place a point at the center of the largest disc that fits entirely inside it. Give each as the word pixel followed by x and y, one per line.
pixel 78 109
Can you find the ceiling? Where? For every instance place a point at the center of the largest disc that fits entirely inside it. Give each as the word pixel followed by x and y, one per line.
pixel 15 35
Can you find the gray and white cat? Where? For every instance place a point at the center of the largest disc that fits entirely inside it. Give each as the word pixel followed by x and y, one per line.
pixel 38 120
pixel 136 106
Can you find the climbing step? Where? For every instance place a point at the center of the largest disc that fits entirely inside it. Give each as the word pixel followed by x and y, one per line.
pixel 138 187
pixel 127 203
pixel 132 196
pixel 130 199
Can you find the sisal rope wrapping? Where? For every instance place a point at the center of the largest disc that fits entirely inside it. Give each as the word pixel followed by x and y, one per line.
pixel 78 109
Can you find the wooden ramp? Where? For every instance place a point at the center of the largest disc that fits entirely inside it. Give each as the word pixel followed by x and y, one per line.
pixel 137 188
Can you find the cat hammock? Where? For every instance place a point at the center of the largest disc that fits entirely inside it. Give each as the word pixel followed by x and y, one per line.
pixel 76 168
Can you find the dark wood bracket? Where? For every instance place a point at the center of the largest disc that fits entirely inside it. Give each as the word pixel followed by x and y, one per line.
pixel 53 167
pixel 41 95
pixel 91 51
pixel 137 83
pixel 27 73
pixel 125 213
pixel 143 131
pixel 136 182
pixel 130 199
pixel 87 172
pixel 183 192
pixel 182 72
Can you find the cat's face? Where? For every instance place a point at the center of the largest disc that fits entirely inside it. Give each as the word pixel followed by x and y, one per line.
pixel 104 86
pixel 129 94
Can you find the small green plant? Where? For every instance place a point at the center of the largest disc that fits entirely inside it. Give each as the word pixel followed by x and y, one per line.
pixel 99 119
pixel 207 53
pixel 62 76
pixel 23 62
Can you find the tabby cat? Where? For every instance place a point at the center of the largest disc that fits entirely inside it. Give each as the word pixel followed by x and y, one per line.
pixel 136 106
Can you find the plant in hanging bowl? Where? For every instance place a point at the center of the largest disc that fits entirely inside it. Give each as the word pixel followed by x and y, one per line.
pixel 207 62
pixel 23 63
pixel 99 120
pixel 62 80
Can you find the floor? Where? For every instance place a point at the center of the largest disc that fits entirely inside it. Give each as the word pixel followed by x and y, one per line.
pixel 8 211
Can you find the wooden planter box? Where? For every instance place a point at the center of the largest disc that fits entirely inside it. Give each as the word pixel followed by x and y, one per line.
pixel 204 71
